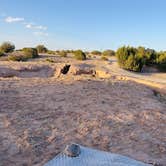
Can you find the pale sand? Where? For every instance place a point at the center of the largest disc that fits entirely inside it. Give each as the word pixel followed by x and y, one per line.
pixel 40 115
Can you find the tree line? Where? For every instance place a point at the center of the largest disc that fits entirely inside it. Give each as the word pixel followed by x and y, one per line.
pixel 129 58
pixel 135 59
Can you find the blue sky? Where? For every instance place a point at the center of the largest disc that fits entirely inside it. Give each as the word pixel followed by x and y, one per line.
pixel 84 24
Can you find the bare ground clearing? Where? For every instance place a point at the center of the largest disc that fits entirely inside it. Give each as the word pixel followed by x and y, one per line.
pixel 40 115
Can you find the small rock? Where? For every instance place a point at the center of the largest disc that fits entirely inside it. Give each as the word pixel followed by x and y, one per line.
pixel 72 150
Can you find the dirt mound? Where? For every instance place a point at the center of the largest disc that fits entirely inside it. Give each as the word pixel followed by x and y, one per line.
pixel 103 72
pixel 78 69
pixel 27 71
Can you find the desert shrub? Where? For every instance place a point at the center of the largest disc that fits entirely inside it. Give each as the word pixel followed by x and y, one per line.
pixel 153 58
pixel 57 52
pixel 150 56
pixel 134 58
pixel 7 47
pixel 87 52
pixel 161 61
pixel 129 59
pixel 96 52
pixel 63 53
pixel 79 55
pixel 30 52
pixel 17 58
pixel 72 51
pixel 51 52
pixel 1 53
pixel 161 58
pixel 104 58
pixel 50 60
pixel 23 55
pixel 89 56
pixel 69 51
pixel 41 49
pixel 108 53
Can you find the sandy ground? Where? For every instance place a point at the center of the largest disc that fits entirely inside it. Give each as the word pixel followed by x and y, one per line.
pixel 39 115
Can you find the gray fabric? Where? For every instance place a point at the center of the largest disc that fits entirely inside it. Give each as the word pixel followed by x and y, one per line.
pixel 91 157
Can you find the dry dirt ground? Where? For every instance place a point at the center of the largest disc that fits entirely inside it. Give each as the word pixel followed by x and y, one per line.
pixel 40 114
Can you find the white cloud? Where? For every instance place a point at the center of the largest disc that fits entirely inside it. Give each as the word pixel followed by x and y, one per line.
pixel 39 27
pixel 29 26
pixel 39 33
pixel 13 19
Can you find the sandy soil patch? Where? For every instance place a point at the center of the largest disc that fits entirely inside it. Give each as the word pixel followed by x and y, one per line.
pixel 113 110
pixel 38 117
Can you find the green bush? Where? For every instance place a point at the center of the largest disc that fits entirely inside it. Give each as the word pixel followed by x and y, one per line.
pixel 57 52
pixel 69 51
pixel 17 58
pixel 89 56
pixel 30 52
pixel 104 58
pixel 63 53
pixel 1 54
pixel 79 55
pixel 150 56
pixel 24 55
pixel 129 59
pixel 108 53
pixel 41 49
pixel 51 52
pixel 7 47
pixel 161 58
pixel 96 52
pixel 161 61
pixel 50 60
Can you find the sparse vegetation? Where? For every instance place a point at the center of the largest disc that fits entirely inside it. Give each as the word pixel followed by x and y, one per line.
pixel 50 60
pixel 17 58
pixel 104 58
pixel 30 52
pixel 51 52
pixel 79 55
pixel 24 55
pixel 57 52
pixel 63 53
pixel 89 56
pixel 96 52
pixel 134 59
pixel 7 47
pixel 41 49
pixel 161 61
pixel 128 59
pixel 1 54
pixel 161 58
pixel 147 55
pixel 69 51
pixel 108 53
